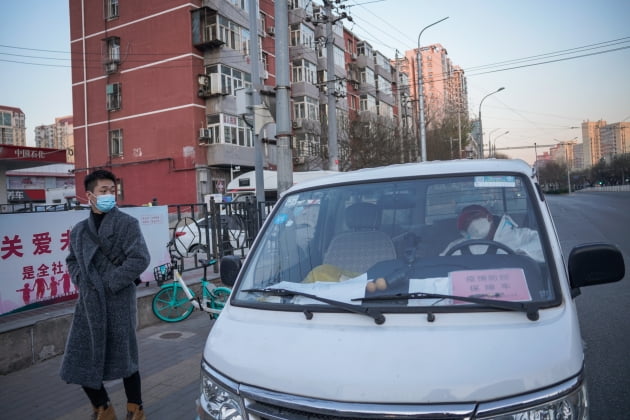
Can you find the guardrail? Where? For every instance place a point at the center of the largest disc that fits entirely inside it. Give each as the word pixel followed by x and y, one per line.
pixel 612 188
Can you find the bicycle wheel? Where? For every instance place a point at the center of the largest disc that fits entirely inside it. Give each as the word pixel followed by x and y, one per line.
pixel 220 295
pixel 171 304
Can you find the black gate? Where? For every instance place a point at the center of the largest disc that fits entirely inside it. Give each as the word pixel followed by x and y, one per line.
pixel 214 230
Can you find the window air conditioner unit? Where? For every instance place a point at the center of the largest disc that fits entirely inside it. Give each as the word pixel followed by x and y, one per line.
pixel 271 30
pixel 111 67
pixel 353 57
pixel 265 74
pixel 297 124
pixel 216 87
pixel 215 83
pixel 204 133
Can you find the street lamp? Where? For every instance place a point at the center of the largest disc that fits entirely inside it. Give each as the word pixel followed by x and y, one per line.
pixel 422 156
pixel 480 126
pixel 493 149
pixel 490 139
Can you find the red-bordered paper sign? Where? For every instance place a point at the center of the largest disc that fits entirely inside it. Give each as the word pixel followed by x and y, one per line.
pixel 500 284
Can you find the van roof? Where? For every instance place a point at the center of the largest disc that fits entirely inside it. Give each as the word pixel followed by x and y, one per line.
pixel 447 167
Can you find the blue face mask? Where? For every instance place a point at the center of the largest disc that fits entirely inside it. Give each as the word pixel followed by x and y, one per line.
pixel 105 202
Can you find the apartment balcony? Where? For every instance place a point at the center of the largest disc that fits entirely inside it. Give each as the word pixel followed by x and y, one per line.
pixel 206 34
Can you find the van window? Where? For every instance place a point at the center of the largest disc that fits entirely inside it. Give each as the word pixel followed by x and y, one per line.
pixel 475 235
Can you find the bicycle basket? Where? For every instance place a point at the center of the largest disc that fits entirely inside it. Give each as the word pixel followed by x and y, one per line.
pixel 163 273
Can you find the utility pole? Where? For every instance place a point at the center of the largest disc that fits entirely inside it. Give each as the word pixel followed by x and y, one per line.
pixel 330 20
pixel 255 99
pixel 399 105
pixel 333 152
pixel 283 86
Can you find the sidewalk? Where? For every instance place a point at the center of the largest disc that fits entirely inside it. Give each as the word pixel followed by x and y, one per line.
pixel 170 356
pixel 33 336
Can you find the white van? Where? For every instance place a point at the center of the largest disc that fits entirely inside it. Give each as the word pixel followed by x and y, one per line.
pixel 424 291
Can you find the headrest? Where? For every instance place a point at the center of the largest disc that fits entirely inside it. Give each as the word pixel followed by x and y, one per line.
pixel 470 213
pixel 362 216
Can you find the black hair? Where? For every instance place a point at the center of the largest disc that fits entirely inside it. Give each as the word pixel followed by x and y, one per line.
pixel 91 180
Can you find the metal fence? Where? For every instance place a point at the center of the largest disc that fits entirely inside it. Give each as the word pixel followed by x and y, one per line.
pixel 197 230
pixel 35 207
pixel 213 230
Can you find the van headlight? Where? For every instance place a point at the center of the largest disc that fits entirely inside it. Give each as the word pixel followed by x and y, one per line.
pixel 570 406
pixel 217 400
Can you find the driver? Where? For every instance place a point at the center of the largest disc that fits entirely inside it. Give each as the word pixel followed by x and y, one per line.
pixel 475 222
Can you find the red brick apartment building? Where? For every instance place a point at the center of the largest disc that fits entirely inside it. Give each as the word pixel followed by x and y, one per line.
pixel 154 90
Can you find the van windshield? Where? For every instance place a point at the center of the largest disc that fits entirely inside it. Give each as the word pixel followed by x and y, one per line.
pixel 477 236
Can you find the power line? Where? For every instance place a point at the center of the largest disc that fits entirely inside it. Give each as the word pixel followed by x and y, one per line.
pixel 471 69
pixel 550 61
pixel 554 53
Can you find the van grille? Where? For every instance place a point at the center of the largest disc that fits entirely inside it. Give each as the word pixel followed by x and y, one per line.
pixel 270 411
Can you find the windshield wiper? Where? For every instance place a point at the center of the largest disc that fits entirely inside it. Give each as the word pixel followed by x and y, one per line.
pixel 373 313
pixel 528 308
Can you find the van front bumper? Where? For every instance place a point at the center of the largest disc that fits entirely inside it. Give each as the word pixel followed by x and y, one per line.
pixel 222 398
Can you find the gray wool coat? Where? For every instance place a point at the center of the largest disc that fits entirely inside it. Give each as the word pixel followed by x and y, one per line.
pixel 102 342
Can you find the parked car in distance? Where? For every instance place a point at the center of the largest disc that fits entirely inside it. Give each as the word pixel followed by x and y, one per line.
pixel 190 235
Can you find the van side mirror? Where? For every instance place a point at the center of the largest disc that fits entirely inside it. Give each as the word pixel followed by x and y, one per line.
pixel 229 267
pixel 595 263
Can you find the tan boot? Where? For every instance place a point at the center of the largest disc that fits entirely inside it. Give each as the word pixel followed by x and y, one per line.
pixel 104 413
pixel 135 412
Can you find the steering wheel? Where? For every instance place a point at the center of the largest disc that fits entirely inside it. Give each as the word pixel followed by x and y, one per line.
pixel 492 247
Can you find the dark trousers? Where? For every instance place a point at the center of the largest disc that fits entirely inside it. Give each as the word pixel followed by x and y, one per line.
pixel 99 397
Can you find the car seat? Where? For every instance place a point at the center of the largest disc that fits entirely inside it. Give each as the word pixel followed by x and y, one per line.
pixel 364 245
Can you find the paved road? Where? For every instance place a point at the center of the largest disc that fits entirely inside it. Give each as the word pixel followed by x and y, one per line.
pixel 170 356
pixel 603 310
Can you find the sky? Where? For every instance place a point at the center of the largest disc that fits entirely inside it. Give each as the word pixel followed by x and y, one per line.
pixel 541 102
pixel 498 43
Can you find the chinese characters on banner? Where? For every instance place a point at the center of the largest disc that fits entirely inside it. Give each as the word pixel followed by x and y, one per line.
pixel 34 246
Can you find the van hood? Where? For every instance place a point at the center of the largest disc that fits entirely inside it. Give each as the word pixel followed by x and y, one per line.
pixel 460 357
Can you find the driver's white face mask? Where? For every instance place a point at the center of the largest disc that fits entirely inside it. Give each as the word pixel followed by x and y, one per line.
pixel 478 228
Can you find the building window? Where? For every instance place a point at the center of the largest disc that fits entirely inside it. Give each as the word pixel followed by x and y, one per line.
pixel 385 110
pixel 241 4
pixel 353 102
pixel 322 80
pixel 114 97
pixel 305 107
pixel 367 103
pixel 222 30
pixel 265 61
pixel 231 78
pixel 304 72
pixel 302 36
pixel 364 49
pixel 115 143
pixel 367 76
pixel 306 145
pixel 302 4
pixel 229 129
pixel 383 62
pixel 383 85
pixel 235 36
pixel 112 46
pixel 340 57
pixel 350 46
pixel 111 9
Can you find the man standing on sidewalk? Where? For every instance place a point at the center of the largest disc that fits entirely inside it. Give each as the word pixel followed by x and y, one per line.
pixel 107 254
